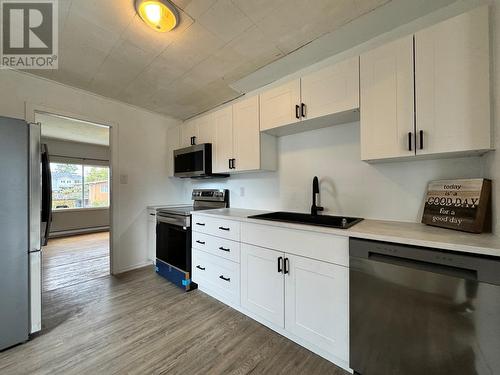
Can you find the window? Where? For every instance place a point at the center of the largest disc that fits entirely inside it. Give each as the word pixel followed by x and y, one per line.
pixel 79 186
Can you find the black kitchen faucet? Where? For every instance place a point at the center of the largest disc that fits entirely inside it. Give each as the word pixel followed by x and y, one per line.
pixel 314 207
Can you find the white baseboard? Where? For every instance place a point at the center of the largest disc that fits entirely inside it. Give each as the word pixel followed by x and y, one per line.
pixel 73 232
pixel 133 267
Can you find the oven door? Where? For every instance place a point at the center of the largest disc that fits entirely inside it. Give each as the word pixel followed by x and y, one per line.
pixel 173 242
pixel 193 161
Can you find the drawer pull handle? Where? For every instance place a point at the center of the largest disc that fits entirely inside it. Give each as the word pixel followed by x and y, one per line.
pixel 224 249
pixel 201 268
pixel 201 242
pixel 224 228
pixel 224 278
pixel 153 214
pixel 201 224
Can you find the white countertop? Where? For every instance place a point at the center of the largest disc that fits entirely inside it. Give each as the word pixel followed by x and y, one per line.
pixel 390 231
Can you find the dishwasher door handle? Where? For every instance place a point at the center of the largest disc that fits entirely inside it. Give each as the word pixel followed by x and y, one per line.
pixel 458 272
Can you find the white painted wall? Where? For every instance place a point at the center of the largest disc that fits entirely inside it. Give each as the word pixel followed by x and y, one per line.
pixel 138 143
pixel 349 186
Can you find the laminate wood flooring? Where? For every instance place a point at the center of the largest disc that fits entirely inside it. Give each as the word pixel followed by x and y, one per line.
pixel 138 323
pixel 76 259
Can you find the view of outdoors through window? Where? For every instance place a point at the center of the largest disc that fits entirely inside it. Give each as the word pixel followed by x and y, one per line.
pixel 79 186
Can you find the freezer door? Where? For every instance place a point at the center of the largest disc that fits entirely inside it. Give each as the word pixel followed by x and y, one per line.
pixel 35 184
pixel 14 298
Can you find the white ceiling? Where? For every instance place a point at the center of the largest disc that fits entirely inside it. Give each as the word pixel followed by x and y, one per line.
pixel 105 48
pixel 72 130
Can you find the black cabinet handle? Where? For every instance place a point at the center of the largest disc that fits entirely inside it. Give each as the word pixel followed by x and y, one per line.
pixel 233 163
pixel 280 264
pixel 201 224
pixel 193 141
pixel 230 166
pixel 287 269
pixel 303 109
pixel 153 214
pixel 297 112
pixel 201 268
pixel 224 278
pixel 410 146
pixel 223 228
pixel 201 242
pixel 224 249
pixel 421 133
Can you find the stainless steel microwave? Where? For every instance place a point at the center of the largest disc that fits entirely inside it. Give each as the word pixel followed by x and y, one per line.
pixel 193 161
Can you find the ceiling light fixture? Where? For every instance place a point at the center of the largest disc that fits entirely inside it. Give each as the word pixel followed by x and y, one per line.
pixel 160 15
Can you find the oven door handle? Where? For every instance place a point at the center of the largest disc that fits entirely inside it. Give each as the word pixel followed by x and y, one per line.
pixel 170 220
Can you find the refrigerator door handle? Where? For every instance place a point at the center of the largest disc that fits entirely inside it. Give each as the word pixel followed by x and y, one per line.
pixel 35 187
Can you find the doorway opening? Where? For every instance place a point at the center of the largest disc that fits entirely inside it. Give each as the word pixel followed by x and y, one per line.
pixel 78 245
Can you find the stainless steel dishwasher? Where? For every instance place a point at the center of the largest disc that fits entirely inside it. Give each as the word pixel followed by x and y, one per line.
pixel 424 311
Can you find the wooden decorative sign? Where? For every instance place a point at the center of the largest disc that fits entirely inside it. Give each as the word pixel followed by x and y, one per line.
pixel 459 204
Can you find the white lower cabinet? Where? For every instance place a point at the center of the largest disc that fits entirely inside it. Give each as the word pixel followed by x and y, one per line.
pixel 316 303
pixel 262 285
pixel 276 281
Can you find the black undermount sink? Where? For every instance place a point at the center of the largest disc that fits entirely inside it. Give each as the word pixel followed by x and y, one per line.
pixel 339 222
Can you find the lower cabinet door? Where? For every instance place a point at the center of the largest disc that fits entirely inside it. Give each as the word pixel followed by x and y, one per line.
pixel 262 284
pixel 316 304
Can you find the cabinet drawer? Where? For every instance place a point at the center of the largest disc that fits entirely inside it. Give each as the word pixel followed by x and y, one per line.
pixel 325 247
pixel 218 275
pixel 221 247
pixel 217 227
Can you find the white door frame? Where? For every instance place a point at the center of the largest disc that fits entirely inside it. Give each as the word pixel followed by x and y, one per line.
pixel 30 111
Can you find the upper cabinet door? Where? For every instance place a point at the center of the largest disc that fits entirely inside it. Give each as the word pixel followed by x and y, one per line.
pixel 453 84
pixel 262 285
pixel 189 130
pixel 246 134
pixel 223 151
pixel 387 101
pixel 206 130
pixel 317 304
pixel 334 89
pixel 278 106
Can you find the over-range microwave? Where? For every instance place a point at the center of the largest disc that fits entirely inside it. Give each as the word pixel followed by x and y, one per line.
pixel 194 162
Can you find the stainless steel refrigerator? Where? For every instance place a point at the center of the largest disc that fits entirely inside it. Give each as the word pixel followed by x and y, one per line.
pixel 25 216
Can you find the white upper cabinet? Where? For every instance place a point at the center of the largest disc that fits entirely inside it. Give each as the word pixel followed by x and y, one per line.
pixel 429 93
pixel 334 89
pixel 387 93
pixel 189 133
pixel 452 75
pixel 173 143
pixel 206 130
pixel 223 150
pixel 252 149
pixel 280 106
pixel 317 100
